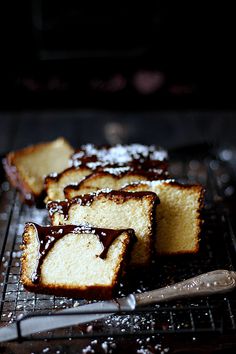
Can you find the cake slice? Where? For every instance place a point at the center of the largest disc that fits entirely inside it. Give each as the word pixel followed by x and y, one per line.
pixel 74 261
pixel 112 178
pixel 26 168
pixel 115 210
pixel 178 217
pixel 55 184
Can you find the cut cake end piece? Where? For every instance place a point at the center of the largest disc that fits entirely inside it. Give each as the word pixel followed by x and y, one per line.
pixel 74 261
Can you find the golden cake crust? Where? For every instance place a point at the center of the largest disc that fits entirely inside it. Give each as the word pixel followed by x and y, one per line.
pixel 99 292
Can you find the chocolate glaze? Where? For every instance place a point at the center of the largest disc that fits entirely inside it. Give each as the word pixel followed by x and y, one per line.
pixel 150 175
pixel 135 165
pixel 136 156
pixel 57 176
pixel 62 207
pixel 156 169
pixel 48 235
pixel 119 154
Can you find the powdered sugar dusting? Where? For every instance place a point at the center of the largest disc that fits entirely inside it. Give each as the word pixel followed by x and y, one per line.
pixel 158 182
pixel 104 190
pixel 53 174
pixel 149 183
pixel 85 228
pixel 117 170
pixel 76 162
pixel 119 154
pixel 94 165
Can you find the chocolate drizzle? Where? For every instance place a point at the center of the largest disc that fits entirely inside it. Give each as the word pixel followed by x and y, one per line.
pixel 136 156
pixel 48 235
pixel 119 154
pixel 63 206
pixel 149 175
pixel 119 196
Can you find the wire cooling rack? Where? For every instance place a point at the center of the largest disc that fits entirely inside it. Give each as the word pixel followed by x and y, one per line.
pixel 217 251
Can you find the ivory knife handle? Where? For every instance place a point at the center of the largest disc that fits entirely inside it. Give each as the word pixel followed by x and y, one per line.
pixel 215 282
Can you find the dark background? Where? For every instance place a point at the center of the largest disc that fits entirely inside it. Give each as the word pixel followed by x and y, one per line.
pixel 159 72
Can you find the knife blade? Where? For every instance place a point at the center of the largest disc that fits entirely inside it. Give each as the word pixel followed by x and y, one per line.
pixel 218 281
pixel 35 323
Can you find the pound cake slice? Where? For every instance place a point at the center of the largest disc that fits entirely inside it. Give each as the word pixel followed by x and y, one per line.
pixel 27 168
pixel 115 210
pixel 74 261
pixel 112 178
pixel 55 184
pixel 178 217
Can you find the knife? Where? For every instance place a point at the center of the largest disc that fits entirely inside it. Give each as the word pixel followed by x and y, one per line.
pixel 218 281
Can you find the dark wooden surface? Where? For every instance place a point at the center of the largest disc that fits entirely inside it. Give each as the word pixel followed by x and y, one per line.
pixel 169 129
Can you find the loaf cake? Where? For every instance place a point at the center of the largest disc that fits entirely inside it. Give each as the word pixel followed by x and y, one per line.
pixel 178 217
pixel 115 210
pixel 112 178
pixel 139 159
pixel 74 261
pixel 26 168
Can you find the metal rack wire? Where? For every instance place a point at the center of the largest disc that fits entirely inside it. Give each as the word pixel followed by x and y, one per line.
pixel 217 250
